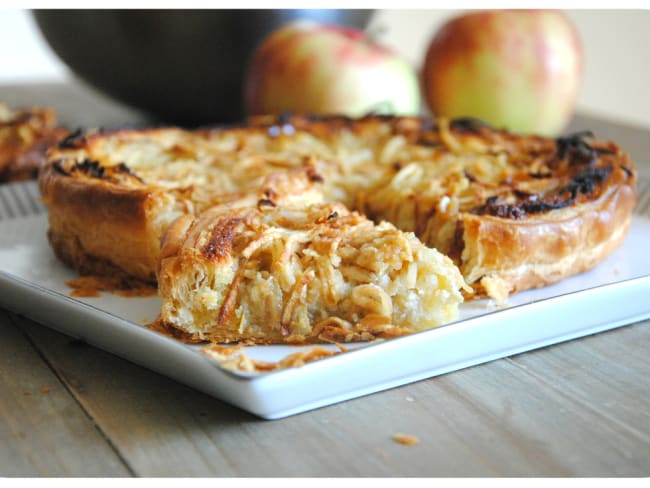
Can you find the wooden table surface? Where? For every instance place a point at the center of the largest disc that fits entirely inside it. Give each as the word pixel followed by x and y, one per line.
pixel 581 408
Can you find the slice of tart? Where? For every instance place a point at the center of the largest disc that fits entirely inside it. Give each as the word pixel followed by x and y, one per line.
pixel 299 274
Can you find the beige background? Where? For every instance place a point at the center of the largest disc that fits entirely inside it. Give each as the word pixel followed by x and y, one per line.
pixel 617 65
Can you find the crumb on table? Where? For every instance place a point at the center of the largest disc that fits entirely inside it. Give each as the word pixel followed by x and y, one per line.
pixel 405 439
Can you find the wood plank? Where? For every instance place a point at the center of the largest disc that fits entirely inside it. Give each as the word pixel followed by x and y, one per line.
pixel 152 420
pixel 494 419
pixel 43 429
pixel 564 415
pixel 607 372
pixel 166 429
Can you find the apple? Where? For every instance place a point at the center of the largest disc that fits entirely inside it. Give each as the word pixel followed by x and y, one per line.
pixel 515 69
pixel 310 67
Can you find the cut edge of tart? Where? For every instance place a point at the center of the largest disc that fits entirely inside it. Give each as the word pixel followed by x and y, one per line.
pixel 299 274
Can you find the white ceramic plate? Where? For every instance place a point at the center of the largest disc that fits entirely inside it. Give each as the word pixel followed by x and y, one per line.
pixel 32 283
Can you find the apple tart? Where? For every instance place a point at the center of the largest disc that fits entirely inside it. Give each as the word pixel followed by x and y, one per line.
pixel 299 274
pixel 512 211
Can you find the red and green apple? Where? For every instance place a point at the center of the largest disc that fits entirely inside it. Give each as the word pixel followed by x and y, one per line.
pixel 516 69
pixel 309 67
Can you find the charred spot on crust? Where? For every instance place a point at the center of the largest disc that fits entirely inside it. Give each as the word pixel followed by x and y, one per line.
pixel 75 140
pixel 333 215
pixel 123 168
pixel 587 181
pixel 584 183
pixel 576 148
pixel 92 168
pixel 523 195
pixel 265 202
pixel 58 168
pixel 520 209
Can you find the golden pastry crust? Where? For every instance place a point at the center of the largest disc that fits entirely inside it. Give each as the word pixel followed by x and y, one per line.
pixel 298 274
pixel 513 212
pixel 25 135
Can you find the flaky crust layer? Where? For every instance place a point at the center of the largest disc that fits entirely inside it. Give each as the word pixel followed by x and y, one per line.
pixel 513 212
pixel 100 228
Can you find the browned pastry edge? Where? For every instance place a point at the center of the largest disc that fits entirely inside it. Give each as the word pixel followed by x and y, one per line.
pixel 80 211
pixel 557 248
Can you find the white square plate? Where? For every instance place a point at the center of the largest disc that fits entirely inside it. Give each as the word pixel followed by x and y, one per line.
pixel 32 283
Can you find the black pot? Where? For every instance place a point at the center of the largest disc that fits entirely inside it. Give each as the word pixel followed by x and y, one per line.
pixel 185 67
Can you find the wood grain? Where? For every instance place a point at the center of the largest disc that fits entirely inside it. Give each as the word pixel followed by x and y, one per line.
pixel 536 414
pixel 43 430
